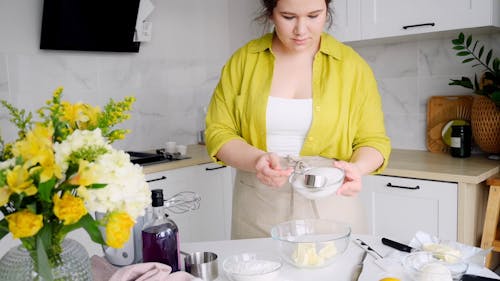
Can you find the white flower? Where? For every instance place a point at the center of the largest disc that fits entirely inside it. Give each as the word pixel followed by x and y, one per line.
pixel 7 164
pixel 78 140
pixel 126 189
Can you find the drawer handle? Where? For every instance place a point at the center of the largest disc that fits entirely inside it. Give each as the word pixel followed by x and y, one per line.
pixel 158 179
pixel 405 187
pixel 418 25
pixel 215 168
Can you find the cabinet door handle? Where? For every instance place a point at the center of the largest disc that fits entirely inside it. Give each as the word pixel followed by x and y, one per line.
pixel 214 168
pixel 418 25
pixel 157 179
pixel 405 187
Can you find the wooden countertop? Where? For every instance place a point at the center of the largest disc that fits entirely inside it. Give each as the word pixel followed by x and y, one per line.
pixel 402 163
pixel 439 166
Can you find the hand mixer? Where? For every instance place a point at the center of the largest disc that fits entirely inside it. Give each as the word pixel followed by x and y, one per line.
pixel 131 252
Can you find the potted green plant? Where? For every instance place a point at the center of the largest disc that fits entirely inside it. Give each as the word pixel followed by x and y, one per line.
pixel 485 112
pixel 488 84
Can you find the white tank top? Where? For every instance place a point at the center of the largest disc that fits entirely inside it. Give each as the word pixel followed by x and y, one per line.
pixel 287 121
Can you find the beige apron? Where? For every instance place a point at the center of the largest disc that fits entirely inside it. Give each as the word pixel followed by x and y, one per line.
pixel 257 207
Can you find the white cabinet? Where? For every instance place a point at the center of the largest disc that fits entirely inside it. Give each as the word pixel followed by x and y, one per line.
pixel 399 207
pixel 386 18
pixel 355 20
pixel 346 20
pixel 214 185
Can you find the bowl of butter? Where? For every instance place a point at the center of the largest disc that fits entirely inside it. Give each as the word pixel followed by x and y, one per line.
pixel 311 243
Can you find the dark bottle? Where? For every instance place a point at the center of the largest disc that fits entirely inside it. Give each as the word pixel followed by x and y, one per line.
pixel 160 236
pixel 460 141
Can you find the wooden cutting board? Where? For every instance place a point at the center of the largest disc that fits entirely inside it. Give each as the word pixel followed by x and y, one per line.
pixel 441 110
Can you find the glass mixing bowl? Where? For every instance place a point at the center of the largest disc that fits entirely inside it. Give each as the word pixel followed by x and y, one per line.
pixel 311 243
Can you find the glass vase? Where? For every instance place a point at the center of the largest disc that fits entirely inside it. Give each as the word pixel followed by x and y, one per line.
pixel 18 265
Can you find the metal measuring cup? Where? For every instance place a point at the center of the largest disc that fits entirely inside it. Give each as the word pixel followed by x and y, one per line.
pixel 203 265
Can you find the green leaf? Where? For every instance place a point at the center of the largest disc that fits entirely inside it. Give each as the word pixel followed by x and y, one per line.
pixel 465 82
pixel 488 57
pixel 97 185
pixel 45 189
pixel 469 41
pixel 91 226
pixel 495 97
pixel 463 53
pixel 467 60
pixel 461 37
pixel 480 52
pixel 456 42
pixel 496 66
pixel 458 47
pixel 43 266
pixel 4 228
pixel 475 45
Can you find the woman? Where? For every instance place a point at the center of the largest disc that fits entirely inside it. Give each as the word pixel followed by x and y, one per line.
pixel 296 91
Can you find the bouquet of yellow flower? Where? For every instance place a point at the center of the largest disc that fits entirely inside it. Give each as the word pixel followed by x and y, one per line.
pixel 61 170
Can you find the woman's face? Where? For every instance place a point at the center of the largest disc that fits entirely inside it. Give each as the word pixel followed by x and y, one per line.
pixel 299 23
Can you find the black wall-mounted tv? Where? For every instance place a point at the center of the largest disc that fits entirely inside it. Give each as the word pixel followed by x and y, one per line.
pixel 89 25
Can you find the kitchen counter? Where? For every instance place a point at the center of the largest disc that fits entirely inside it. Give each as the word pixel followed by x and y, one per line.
pixel 341 269
pixel 440 166
pixel 402 163
pixel 198 154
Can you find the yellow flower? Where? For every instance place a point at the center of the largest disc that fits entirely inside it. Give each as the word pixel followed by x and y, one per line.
pixel 118 229
pixel 80 115
pixel 24 223
pixel 86 174
pixel 18 180
pixel 50 168
pixel 5 193
pixel 69 208
pixel 37 144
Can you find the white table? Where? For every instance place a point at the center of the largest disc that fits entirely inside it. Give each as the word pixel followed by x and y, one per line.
pixel 340 270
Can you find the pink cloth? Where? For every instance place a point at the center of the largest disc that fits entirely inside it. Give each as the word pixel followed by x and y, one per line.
pixel 149 271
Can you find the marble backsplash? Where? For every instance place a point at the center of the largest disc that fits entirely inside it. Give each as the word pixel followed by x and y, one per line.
pixel 173 76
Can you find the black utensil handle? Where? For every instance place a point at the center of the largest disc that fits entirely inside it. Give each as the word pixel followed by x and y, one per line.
pixel 396 245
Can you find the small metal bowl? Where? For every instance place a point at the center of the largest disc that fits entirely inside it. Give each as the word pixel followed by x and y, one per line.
pixel 202 264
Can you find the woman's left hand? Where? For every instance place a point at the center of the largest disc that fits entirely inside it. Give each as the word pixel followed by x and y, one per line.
pixel 352 180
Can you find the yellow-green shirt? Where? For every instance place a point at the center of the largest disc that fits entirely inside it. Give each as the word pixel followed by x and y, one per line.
pixel 347 109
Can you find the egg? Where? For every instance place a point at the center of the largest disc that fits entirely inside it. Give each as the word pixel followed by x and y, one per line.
pixel 434 272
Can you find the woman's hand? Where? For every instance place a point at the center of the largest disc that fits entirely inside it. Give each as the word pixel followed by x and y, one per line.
pixel 352 181
pixel 269 170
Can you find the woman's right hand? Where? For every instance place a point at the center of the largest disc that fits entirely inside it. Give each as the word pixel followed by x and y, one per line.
pixel 269 170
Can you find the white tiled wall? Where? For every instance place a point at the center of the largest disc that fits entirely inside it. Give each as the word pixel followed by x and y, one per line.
pixel 173 75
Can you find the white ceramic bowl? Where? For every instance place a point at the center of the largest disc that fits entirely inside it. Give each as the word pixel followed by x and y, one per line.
pixel 252 267
pixel 334 178
pixel 311 243
pixel 434 265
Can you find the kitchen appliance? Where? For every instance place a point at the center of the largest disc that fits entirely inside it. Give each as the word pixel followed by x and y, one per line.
pixel 157 157
pixel 132 250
